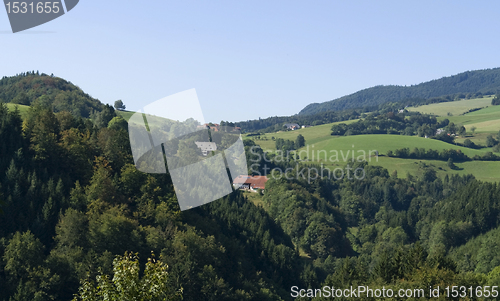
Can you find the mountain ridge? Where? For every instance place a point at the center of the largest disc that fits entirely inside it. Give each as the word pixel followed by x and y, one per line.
pixel 477 82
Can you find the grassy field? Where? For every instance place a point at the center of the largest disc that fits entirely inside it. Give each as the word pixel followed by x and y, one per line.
pixel 333 152
pixel 22 108
pixel 482 170
pixel 486 114
pixel 477 138
pixel 486 120
pixel 489 110
pixel 383 143
pixel 491 126
pixel 322 140
pixel 125 114
pixel 453 107
pixel 312 135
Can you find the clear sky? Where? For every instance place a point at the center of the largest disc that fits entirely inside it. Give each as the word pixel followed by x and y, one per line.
pixel 251 59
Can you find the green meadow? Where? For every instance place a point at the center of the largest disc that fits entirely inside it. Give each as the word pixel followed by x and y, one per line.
pixel 339 151
pixel 485 120
pixel 23 110
pixel 125 114
pixel 312 135
pixel 334 151
pixel 453 107
pixel 482 170
pixel 384 143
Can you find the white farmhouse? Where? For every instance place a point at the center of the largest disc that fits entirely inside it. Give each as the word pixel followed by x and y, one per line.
pixel 206 147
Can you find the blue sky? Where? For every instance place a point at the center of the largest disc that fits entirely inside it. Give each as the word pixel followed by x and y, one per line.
pixel 251 59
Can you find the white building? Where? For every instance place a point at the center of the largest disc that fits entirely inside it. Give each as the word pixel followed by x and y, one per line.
pixel 292 126
pixel 206 147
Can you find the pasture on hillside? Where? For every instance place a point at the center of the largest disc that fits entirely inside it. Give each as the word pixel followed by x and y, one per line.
pixel 312 135
pixel 383 143
pixel 23 110
pixel 363 147
pixel 454 107
pixel 334 152
pixel 485 120
pixel 125 114
pixel 482 170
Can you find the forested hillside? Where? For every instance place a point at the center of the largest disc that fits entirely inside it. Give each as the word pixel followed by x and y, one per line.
pixel 469 83
pixel 72 200
pixel 59 94
pixel 78 221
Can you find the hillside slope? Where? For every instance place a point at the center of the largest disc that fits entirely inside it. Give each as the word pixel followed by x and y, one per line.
pixel 60 94
pixel 470 82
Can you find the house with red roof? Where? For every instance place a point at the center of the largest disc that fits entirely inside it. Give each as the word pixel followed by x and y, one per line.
pixel 251 183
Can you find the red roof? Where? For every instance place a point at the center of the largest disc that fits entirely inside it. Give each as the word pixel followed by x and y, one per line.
pixel 255 182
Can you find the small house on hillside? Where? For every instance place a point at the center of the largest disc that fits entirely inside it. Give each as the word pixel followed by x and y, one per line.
pixel 206 147
pixel 292 126
pixel 251 183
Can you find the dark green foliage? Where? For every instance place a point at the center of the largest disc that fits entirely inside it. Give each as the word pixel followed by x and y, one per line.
pixel 118 123
pixel 496 100
pixel 102 118
pixel 27 272
pixel 461 131
pixel 285 145
pixel 490 141
pixel 488 156
pixel 468 143
pixel 119 105
pixel 450 163
pixel 311 222
pixel 300 141
pixel 421 153
pixel 480 254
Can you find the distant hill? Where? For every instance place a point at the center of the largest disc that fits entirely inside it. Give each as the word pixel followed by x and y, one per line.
pixel 474 83
pixel 60 94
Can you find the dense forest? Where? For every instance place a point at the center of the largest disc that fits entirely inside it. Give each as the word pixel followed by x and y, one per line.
pixel 78 221
pixel 467 84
